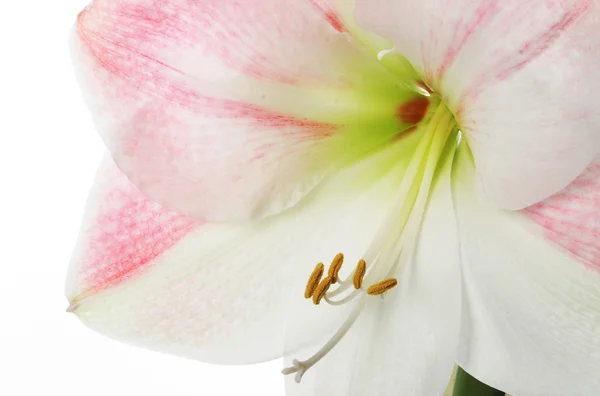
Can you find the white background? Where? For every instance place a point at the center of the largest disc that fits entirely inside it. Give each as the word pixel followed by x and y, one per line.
pixel 48 153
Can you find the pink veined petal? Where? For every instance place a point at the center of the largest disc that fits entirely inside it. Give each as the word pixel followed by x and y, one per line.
pixel 531 310
pixel 222 109
pixel 571 217
pixel 218 292
pixel 521 77
pixel 123 234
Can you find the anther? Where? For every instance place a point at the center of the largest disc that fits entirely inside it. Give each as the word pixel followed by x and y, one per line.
pixel 335 267
pixel 359 274
pixel 382 287
pixel 320 290
pixel 314 280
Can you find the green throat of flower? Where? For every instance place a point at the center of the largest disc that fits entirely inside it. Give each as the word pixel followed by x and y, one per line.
pixel 381 266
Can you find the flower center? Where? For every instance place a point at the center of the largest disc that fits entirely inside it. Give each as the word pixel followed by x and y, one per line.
pixel 393 246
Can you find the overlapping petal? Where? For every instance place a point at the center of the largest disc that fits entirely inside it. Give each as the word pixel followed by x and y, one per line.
pixel 571 218
pixel 521 77
pixel 405 343
pixel 213 291
pixel 231 109
pixel 530 323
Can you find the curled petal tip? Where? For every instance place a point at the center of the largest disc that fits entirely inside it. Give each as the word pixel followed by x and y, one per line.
pixel 72 307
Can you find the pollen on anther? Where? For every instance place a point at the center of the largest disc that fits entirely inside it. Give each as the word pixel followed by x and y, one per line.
pixel 382 287
pixel 314 280
pixel 359 274
pixel 321 289
pixel 334 268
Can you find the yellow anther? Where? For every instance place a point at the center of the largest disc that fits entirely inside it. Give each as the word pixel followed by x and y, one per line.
pixel 320 290
pixel 334 268
pixel 382 287
pixel 359 274
pixel 314 280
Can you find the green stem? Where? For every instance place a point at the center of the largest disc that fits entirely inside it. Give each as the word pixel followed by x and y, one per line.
pixel 466 385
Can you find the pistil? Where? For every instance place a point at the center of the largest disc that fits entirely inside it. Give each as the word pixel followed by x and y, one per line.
pixel 394 244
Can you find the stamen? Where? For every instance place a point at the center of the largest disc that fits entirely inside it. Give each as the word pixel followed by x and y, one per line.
pixel 321 289
pixel 334 268
pixel 359 274
pixel 314 280
pixel 382 287
pixel 394 243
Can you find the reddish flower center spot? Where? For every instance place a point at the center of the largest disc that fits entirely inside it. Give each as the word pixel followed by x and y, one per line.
pixel 413 111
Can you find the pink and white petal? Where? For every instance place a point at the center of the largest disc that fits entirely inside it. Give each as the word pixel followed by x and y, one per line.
pixel 521 77
pixel 214 291
pixel 226 109
pixel 571 218
pixel 531 317
pixel 405 343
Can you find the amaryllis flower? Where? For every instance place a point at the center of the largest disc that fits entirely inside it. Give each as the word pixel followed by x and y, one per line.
pixel 440 158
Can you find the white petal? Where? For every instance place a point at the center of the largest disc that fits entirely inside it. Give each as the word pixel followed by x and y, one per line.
pixel 521 77
pixel 531 319
pixel 217 292
pixel 404 344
